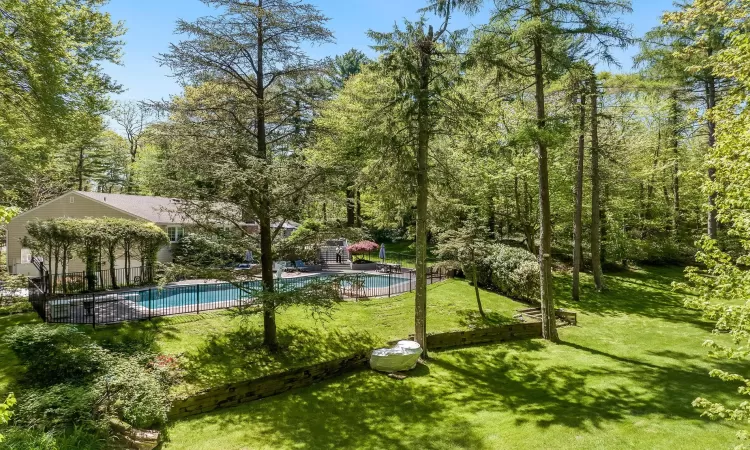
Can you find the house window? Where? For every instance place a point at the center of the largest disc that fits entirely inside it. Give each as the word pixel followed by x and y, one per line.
pixel 175 233
pixel 25 256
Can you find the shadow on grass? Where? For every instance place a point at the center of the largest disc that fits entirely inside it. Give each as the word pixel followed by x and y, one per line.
pixel 239 355
pixel 472 319
pixel 363 410
pixel 131 337
pixel 645 292
pixel 574 396
pixel 461 392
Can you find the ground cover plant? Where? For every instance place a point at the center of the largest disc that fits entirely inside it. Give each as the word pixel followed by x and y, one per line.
pixel 73 388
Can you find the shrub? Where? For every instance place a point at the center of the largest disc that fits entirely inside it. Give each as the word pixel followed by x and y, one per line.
pixel 80 384
pixel 363 247
pixel 13 296
pixel 202 250
pixel 12 287
pixel 622 247
pixel 54 354
pixel 130 389
pixel 134 393
pixel 131 343
pixel 18 438
pixel 20 306
pixel 57 407
pixel 511 271
pixel 77 438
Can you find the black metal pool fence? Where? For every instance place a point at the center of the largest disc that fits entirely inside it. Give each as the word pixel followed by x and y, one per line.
pixel 101 280
pixel 116 306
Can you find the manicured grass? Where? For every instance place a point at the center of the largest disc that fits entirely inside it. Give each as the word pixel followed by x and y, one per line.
pixel 402 252
pixel 624 378
pixel 219 348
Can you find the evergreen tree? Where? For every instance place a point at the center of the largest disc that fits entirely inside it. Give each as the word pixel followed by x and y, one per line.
pixel 251 53
pixel 416 58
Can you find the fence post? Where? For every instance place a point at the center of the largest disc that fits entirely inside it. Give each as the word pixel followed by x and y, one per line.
pixel 411 288
pixel 389 283
pixel 93 310
pixel 197 298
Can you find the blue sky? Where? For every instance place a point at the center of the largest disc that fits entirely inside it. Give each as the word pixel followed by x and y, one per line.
pixel 150 25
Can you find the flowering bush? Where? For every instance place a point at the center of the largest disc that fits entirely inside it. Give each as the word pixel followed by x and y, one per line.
pixel 362 247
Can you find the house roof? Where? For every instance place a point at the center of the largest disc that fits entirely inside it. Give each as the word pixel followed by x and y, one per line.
pixel 289 224
pixel 161 210
pixel 153 209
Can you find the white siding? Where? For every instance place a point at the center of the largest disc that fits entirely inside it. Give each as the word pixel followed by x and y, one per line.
pixel 69 205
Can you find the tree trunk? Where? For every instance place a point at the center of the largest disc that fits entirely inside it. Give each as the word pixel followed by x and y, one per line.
pixel 49 280
pixel 578 213
pixel 359 209
pixel 603 226
pixel 266 262
pixel 675 117
pixel 711 103
pixel 65 269
pixel 264 217
pixel 517 201
pixel 130 171
pixel 423 142
pixel 549 327
pixel 112 272
pixel 528 227
pixel 90 271
pixel 596 263
pixel 491 220
pixel 57 267
pixel 79 169
pixel 350 206
pixel 476 291
pixel 126 246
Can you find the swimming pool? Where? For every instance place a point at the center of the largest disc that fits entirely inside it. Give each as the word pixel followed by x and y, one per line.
pixel 226 295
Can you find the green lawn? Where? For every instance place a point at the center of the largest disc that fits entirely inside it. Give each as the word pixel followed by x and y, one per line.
pixel 219 348
pixel 624 378
pixel 403 252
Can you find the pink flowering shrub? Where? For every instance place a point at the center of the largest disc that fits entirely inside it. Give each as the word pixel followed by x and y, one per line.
pixel 362 247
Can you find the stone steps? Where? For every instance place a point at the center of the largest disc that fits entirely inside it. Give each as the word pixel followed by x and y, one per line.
pixel 328 265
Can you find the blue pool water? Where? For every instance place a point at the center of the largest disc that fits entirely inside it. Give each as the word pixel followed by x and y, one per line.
pixel 188 295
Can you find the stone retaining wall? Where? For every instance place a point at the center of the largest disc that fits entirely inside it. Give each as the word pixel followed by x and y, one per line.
pixel 502 333
pixel 247 391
